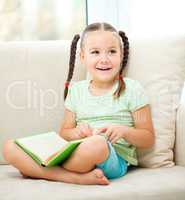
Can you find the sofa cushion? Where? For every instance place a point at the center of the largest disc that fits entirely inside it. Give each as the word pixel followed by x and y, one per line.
pixel 140 184
pixel 159 65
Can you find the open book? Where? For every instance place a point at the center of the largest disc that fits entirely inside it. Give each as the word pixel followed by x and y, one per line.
pixel 47 149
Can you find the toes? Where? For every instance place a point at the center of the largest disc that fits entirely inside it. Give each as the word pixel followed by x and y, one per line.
pixel 99 173
pixel 105 181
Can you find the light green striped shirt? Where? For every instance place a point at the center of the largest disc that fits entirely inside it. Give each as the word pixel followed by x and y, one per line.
pixel 99 111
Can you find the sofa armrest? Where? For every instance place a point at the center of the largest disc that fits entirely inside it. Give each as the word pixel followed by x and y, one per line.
pixel 180 133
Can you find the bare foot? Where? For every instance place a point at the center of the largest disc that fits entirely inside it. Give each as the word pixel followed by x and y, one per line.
pixel 23 175
pixel 94 177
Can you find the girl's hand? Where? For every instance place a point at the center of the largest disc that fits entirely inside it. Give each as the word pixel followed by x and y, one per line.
pixel 83 130
pixel 113 132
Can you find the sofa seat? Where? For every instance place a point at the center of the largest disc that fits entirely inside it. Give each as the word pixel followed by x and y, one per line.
pixel 141 184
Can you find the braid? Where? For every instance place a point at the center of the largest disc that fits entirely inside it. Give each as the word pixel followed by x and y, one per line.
pixel 71 62
pixel 121 85
pixel 125 50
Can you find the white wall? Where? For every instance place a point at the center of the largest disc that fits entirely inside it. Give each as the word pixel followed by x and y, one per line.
pixel 115 12
pixel 140 18
pixel 150 18
pixel 102 11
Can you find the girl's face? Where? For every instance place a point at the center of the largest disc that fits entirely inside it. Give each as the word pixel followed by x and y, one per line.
pixel 101 54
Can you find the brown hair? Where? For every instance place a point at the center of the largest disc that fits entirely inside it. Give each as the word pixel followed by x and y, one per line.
pixel 125 51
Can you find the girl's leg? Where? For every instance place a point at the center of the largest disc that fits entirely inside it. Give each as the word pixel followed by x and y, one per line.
pixel 92 151
pixel 19 159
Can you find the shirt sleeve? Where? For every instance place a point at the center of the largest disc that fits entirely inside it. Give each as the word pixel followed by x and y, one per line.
pixel 69 102
pixel 138 98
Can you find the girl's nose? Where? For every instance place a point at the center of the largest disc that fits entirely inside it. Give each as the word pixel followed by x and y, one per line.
pixel 104 57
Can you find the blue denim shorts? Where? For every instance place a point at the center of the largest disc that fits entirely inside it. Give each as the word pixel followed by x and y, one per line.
pixel 114 166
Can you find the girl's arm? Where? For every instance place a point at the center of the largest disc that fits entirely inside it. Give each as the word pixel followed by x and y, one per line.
pixel 68 129
pixel 142 135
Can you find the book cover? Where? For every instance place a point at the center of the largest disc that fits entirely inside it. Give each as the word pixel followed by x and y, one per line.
pixel 47 149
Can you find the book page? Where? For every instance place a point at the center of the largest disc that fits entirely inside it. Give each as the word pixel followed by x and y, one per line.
pixel 43 145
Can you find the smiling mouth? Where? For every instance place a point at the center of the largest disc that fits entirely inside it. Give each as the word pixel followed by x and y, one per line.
pixel 105 69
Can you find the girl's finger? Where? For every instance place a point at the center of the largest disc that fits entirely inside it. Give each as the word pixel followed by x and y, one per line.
pixel 86 129
pixel 81 128
pixel 102 129
pixel 99 130
pixel 89 130
pixel 114 140
pixel 112 136
pixel 80 134
pixel 95 131
pixel 108 133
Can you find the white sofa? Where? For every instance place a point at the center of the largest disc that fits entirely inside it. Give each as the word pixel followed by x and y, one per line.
pixel 32 76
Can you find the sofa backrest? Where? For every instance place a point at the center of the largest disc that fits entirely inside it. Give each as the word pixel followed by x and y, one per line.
pixel 159 64
pixel 32 81
pixel 32 78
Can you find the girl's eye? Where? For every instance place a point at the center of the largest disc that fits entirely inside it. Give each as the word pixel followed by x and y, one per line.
pixel 95 52
pixel 112 51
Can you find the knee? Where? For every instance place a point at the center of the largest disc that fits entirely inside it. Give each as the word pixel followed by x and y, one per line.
pixel 97 147
pixel 8 150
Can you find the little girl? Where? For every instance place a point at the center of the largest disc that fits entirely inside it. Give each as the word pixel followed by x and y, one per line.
pixel 110 111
